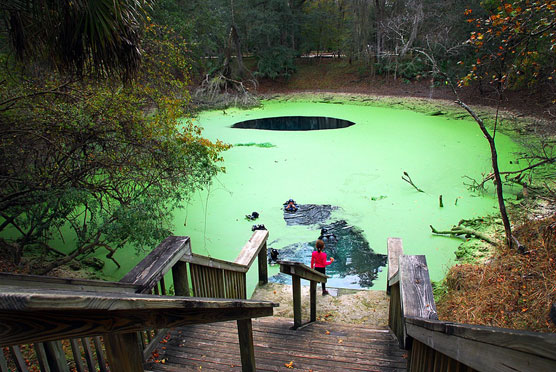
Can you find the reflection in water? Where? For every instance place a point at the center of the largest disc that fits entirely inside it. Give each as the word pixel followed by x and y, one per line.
pixel 355 264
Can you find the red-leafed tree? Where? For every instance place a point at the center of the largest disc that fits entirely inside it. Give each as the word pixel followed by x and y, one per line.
pixel 515 47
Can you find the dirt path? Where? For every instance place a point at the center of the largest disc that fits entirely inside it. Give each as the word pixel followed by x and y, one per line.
pixel 341 306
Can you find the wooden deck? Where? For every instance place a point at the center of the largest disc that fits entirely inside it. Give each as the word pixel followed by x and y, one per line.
pixel 321 346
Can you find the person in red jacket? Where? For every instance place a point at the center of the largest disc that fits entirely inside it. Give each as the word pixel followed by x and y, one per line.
pixel 319 262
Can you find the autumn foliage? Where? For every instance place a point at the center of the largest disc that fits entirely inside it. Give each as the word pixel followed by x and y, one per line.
pixel 514 44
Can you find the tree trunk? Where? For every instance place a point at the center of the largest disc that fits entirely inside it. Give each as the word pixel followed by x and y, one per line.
pixel 496 172
pixel 379 36
pixel 415 28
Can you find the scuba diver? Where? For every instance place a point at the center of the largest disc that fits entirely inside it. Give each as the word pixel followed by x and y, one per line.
pixel 324 235
pixel 253 216
pixel 273 255
pixel 290 206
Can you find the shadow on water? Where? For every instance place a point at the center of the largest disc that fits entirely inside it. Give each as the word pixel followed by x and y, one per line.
pixel 355 263
pixel 294 123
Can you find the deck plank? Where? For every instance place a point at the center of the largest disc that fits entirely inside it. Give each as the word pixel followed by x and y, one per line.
pixel 322 346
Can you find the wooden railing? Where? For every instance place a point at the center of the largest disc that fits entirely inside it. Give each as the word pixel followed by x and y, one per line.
pixel 436 345
pixel 87 352
pixel 212 277
pixel 300 271
pixel 135 311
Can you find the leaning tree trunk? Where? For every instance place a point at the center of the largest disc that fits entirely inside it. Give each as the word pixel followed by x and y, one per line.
pixel 496 172
pixel 379 34
pixel 417 20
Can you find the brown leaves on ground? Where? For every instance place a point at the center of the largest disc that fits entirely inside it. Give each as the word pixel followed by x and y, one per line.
pixel 514 290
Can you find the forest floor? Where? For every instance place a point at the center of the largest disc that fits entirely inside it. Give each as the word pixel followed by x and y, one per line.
pixel 338 75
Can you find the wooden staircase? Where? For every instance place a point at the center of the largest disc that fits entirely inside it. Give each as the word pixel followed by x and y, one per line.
pixel 319 346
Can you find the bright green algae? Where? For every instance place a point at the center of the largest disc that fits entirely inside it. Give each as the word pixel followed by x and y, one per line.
pixel 358 169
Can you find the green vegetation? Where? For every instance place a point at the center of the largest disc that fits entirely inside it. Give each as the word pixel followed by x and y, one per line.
pixel 90 159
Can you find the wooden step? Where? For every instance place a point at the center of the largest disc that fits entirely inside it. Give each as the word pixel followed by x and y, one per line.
pixel 321 346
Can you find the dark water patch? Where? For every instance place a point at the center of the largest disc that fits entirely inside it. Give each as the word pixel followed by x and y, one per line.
pixel 355 263
pixel 294 123
pixel 309 214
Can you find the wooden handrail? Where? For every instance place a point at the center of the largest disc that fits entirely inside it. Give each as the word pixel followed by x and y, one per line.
pixel 435 344
pixel 252 248
pixel 395 250
pixel 152 268
pixel 300 271
pixel 28 315
pixel 10 280
pixel 534 343
pixel 486 348
pixel 214 263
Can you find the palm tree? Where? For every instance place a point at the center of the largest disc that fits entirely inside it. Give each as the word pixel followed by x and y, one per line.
pixel 77 36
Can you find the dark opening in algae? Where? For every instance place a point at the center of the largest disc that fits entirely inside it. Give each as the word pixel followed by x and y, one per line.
pixel 295 123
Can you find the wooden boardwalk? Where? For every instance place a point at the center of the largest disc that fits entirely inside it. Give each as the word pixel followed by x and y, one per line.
pixel 321 346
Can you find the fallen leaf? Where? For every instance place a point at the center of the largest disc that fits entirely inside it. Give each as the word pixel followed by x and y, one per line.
pixel 289 365
pixel 327 332
pixel 340 341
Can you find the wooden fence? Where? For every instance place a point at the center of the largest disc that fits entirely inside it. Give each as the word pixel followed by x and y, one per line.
pixel 436 345
pixel 45 315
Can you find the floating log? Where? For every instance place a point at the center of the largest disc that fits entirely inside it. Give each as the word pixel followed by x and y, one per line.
pixel 460 230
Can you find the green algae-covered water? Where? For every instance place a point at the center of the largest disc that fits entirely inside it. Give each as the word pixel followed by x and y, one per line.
pixel 357 169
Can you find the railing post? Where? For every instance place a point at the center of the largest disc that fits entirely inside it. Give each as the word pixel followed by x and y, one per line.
pixel 76 355
pixel 263 268
pixel 124 352
pixel 3 362
pixel 43 359
pixel 296 287
pixel 181 282
pixel 55 356
pixel 18 359
pixel 313 299
pixel 395 250
pixel 246 348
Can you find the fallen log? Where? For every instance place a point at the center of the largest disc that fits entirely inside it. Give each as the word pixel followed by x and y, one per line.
pixel 460 230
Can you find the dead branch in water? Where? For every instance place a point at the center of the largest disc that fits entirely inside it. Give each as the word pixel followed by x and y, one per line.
pixel 460 230
pixel 408 179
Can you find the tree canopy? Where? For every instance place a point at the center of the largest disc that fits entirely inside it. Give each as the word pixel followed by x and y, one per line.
pixel 90 159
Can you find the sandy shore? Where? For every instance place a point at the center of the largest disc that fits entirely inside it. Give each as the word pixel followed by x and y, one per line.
pixel 341 306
